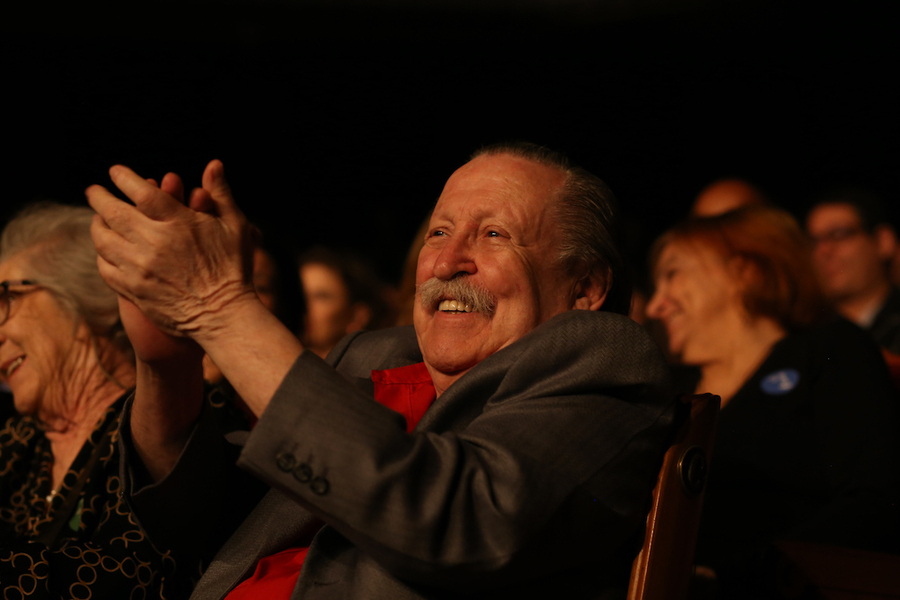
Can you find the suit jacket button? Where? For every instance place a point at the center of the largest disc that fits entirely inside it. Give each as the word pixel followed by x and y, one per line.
pixel 286 461
pixel 319 486
pixel 303 473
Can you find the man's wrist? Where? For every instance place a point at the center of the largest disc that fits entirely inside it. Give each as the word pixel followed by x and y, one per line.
pixel 221 314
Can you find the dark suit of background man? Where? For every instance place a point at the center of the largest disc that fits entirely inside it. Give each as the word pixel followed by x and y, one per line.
pixel 528 476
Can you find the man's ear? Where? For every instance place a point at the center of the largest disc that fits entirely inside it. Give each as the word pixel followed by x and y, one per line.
pixel 886 240
pixel 590 292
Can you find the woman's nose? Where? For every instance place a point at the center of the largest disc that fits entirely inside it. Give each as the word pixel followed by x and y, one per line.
pixel 654 308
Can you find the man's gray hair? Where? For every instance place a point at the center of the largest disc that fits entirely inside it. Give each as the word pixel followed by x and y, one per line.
pixel 587 213
pixel 54 241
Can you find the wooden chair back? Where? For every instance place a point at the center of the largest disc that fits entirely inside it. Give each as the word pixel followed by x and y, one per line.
pixel 662 569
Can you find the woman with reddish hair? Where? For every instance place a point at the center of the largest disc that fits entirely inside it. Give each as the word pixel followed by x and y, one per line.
pixel 806 444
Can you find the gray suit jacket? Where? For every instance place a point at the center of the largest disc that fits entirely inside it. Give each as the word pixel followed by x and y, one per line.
pixel 529 476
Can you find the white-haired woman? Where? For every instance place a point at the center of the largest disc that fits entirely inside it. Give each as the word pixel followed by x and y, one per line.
pixel 64 528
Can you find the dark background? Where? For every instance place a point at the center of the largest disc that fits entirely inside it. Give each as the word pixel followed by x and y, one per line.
pixel 338 122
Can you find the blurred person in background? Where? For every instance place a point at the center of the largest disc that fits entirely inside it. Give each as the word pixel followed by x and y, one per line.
pixel 724 195
pixel 65 530
pixel 719 197
pixel 854 244
pixel 806 445
pixel 343 295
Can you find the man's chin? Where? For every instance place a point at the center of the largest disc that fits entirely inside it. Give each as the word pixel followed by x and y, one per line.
pixel 450 362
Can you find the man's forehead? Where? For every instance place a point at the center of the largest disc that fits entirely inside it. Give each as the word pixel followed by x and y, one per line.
pixel 503 176
pixel 503 165
pixel 834 214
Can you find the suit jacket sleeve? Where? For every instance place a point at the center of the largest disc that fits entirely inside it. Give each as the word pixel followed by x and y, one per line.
pixel 540 458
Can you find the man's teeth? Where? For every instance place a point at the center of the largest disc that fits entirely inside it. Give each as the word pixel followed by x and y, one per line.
pixel 13 365
pixel 454 306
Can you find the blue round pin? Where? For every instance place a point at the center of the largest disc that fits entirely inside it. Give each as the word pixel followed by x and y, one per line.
pixel 780 382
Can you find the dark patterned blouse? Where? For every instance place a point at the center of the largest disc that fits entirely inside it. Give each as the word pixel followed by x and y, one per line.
pixel 80 541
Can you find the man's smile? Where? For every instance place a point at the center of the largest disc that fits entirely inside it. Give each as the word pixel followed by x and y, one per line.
pixel 454 306
pixel 456 296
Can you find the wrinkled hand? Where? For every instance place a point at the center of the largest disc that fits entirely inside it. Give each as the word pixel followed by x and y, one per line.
pixel 180 266
pixel 151 345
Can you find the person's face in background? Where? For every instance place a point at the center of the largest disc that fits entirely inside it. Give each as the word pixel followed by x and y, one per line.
pixel 264 278
pixel 696 298
pixel 848 260
pixel 330 314
pixel 42 347
pixel 725 195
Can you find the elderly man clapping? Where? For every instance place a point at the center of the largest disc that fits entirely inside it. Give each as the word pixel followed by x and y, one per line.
pixel 504 445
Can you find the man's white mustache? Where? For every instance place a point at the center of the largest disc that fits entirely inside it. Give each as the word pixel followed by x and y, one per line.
pixel 460 289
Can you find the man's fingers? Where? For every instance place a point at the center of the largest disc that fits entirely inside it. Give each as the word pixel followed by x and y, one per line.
pixel 110 250
pixel 172 185
pixel 111 246
pixel 150 200
pixel 115 214
pixel 100 199
pixel 230 215
pixel 214 180
pixel 215 183
pixel 110 274
pixel 201 201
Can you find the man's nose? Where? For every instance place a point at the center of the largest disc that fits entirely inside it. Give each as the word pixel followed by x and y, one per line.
pixel 822 249
pixel 456 258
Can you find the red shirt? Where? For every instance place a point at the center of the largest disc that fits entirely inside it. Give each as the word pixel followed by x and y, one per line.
pixel 407 390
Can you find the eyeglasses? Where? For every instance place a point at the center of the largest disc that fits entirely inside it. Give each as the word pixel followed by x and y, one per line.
pixel 836 235
pixel 6 295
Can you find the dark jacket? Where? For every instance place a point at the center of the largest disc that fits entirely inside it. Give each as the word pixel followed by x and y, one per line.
pixel 529 477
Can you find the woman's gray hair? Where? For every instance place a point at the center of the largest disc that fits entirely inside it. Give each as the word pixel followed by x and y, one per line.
pixel 54 241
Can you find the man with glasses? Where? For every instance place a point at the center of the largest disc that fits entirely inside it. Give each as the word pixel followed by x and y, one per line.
pixel 853 243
